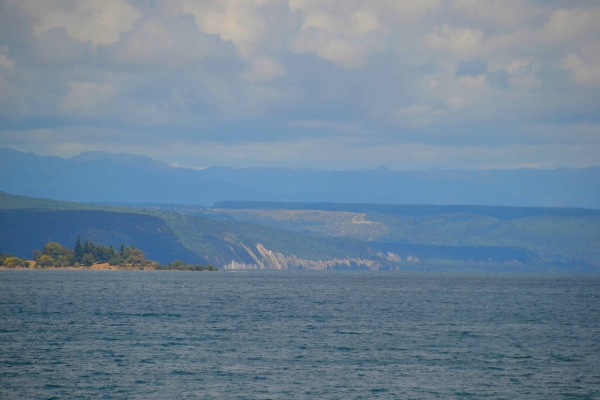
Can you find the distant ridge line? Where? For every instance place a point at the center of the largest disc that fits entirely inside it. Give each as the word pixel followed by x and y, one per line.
pixel 415 210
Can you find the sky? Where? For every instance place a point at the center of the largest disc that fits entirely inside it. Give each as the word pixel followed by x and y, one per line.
pixel 332 84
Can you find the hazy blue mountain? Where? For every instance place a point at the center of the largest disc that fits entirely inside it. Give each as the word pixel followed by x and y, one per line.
pixel 126 178
pixel 105 177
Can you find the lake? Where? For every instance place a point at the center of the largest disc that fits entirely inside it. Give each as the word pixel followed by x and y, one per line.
pixel 285 334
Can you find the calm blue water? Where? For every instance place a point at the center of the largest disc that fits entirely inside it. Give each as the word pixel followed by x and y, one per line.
pixel 176 335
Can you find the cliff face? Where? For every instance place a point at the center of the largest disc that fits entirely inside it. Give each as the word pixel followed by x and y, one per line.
pixel 269 259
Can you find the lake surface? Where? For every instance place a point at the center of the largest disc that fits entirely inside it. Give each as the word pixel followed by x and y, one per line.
pixel 331 335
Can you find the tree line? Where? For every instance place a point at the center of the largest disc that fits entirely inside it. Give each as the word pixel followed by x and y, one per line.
pixel 10 261
pixel 182 266
pixel 55 254
pixel 87 254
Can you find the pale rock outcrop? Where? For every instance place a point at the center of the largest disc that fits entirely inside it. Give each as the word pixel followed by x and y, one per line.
pixel 275 260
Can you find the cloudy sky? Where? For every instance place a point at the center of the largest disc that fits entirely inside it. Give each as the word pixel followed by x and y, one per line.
pixel 337 84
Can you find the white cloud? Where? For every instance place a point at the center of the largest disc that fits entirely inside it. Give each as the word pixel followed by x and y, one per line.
pixel 264 69
pixel 473 81
pixel 523 73
pixel 571 24
pixel 455 103
pixel 415 109
pixel 344 33
pixel 238 21
pixel 335 17
pixel 507 13
pixel 5 90
pixel 462 41
pixel 170 42
pixel 148 41
pixel 585 69
pixel 516 66
pixel 560 30
pixel 5 61
pixel 348 52
pixel 348 32
pixel 407 11
pixel 525 82
pixel 99 21
pixel 417 116
pixel 84 96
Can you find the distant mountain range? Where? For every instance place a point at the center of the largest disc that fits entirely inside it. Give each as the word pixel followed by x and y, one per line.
pixel 125 178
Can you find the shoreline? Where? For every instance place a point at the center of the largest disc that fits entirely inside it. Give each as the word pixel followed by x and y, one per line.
pixel 76 269
pixel 102 266
pixel 95 267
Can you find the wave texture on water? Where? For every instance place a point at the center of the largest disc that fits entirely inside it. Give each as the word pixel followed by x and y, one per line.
pixel 141 335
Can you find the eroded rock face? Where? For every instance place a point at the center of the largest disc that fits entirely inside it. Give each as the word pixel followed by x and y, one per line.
pixel 268 259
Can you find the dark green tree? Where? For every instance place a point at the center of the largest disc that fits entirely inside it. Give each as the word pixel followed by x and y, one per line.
pixel 101 253
pixel 62 261
pixel 88 259
pixel 78 250
pixel 54 250
pixel 44 261
pixel 111 252
pixel 89 248
pixel 137 257
pixel 177 264
pixel 72 259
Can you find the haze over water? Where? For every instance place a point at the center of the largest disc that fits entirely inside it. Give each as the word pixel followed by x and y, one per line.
pixel 86 334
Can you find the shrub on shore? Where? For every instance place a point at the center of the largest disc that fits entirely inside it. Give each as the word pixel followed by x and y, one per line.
pixel 178 265
pixel 9 261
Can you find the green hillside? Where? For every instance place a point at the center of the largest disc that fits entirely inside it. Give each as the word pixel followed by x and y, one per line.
pixel 413 210
pixel 561 238
pixel 13 202
pixel 258 237
pixel 206 237
pixel 564 235
pixel 29 223
pixel 24 230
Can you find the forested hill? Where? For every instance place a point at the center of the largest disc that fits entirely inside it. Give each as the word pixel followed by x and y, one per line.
pixel 317 236
pixel 24 230
pixel 552 234
pixel 13 201
pixel 27 224
pixel 503 213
